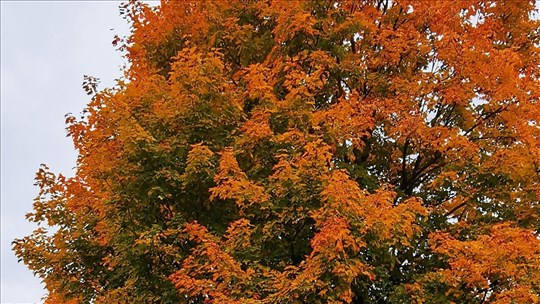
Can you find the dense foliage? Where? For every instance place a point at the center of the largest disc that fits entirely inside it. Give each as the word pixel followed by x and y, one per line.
pixel 370 151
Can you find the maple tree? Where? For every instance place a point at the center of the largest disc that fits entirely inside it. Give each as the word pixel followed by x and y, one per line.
pixel 369 151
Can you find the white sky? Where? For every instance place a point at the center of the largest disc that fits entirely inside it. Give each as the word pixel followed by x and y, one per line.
pixel 46 48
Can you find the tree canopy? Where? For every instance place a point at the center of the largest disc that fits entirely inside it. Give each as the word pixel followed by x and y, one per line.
pixel 376 151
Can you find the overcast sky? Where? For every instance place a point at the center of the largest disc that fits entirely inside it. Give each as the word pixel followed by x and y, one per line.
pixel 46 48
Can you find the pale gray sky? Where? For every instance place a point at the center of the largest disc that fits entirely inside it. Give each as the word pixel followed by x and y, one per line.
pixel 46 48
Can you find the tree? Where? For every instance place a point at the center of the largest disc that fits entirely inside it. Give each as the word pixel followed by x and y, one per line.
pixel 369 151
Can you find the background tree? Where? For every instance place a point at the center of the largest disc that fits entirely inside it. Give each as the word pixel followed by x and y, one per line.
pixel 304 152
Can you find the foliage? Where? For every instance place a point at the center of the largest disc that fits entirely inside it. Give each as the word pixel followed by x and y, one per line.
pixel 371 151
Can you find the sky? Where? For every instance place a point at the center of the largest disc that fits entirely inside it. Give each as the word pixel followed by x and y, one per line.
pixel 46 48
